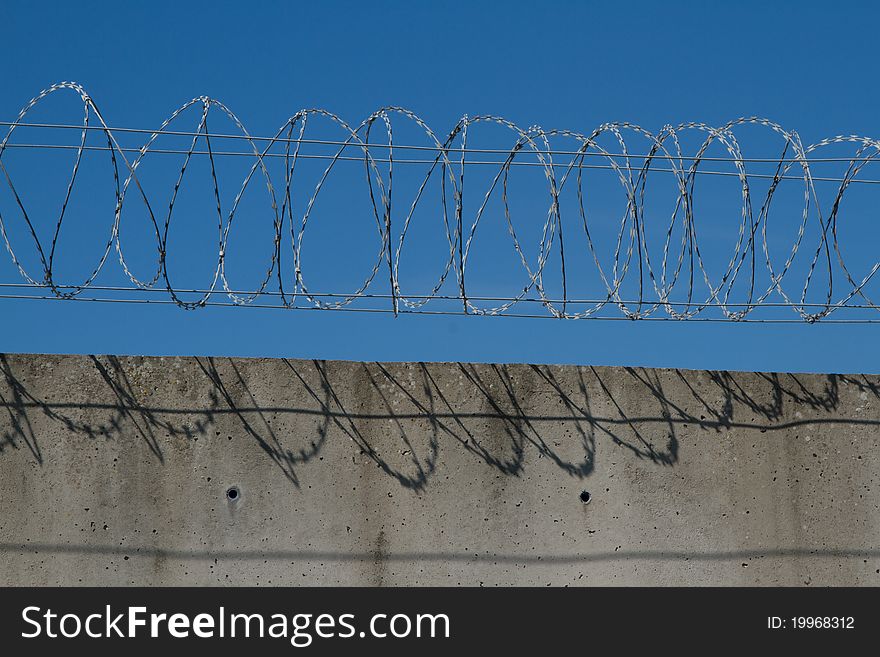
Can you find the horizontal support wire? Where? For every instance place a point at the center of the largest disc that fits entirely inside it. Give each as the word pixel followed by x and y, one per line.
pixel 388 311
pixel 434 149
pixel 439 297
pixel 379 160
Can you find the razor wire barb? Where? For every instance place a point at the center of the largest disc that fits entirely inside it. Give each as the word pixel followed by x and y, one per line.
pixel 680 268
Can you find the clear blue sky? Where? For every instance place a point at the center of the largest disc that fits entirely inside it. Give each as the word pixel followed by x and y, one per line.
pixel 811 66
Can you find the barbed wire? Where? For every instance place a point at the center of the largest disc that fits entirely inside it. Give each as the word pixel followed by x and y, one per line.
pixel 638 283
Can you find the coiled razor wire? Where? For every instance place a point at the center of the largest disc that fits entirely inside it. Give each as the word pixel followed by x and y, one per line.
pixel 681 269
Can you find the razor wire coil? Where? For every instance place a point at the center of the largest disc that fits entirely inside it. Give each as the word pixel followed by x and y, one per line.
pixel 680 269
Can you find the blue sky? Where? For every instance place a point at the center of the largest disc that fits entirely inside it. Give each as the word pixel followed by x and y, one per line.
pixel 806 65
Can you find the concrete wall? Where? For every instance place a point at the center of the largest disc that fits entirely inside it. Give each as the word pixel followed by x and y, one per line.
pixel 116 471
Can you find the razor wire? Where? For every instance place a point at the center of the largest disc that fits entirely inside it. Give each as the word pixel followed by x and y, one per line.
pixel 676 285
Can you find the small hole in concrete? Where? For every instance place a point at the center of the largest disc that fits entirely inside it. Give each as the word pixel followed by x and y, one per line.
pixel 585 497
pixel 232 494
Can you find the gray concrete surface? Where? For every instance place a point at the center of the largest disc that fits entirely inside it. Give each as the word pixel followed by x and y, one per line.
pixel 115 471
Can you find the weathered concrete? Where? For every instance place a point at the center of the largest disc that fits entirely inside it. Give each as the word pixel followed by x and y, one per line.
pixel 116 471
